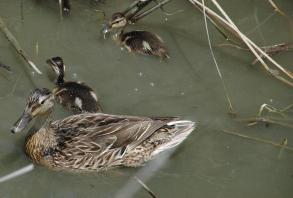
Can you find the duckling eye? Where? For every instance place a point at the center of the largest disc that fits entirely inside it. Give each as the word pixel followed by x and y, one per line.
pixel 43 101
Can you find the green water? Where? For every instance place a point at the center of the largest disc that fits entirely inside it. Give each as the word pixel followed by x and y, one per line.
pixel 210 163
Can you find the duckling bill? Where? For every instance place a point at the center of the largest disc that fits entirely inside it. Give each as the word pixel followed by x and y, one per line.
pixel 74 96
pixel 97 141
pixel 142 42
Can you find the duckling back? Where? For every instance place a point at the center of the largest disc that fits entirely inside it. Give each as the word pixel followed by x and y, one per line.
pixel 144 42
pixel 77 97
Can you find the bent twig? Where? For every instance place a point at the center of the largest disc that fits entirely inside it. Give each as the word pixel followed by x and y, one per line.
pixel 17 46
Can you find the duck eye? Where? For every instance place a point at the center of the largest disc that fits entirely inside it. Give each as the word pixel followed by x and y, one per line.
pixel 43 101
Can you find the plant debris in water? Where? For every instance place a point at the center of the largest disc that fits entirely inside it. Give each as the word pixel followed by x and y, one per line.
pixel 4 66
pixel 145 187
pixel 281 145
pixel 231 32
pixel 17 46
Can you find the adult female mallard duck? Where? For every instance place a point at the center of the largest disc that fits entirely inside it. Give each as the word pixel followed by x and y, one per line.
pixel 74 96
pixel 97 141
pixel 142 42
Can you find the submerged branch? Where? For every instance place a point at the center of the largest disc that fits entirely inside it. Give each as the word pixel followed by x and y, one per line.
pixel 267 120
pixel 276 49
pixel 282 120
pixel 270 50
pixel 280 145
pixel 17 46
pixel 146 188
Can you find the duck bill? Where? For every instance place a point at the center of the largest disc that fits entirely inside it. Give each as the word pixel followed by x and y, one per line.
pixel 21 123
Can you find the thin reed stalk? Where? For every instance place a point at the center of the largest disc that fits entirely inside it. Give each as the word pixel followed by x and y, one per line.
pixel 229 26
pixel 215 61
pixel 17 46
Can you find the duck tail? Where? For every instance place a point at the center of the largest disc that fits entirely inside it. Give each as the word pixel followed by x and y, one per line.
pixel 180 131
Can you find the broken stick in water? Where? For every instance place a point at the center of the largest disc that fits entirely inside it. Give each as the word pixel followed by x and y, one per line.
pixel 145 187
pixel 17 46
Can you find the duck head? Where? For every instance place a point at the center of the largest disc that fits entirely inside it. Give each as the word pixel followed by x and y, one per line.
pixel 57 64
pixel 40 101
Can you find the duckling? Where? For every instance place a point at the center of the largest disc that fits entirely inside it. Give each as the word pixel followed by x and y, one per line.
pixel 65 4
pixel 97 141
pixel 142 42
pixel 74 96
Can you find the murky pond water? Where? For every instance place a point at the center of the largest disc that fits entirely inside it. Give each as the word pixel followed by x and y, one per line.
pixel 210 163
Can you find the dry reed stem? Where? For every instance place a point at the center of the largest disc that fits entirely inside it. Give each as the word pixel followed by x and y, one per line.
pixel 17 46
pixel 276 8
pixel 273 109
pixel 252 46
pixel 270 50
pixel 266 120
pixel 257 51
pixel 216 63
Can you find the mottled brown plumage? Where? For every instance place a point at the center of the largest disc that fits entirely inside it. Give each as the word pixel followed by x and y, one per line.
pixel 97 141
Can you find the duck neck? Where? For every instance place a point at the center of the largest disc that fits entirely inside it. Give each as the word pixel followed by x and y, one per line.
pixel 60 79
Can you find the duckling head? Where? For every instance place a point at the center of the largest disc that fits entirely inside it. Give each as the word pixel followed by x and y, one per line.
pixel 40 101
pixel 57 64
pixel 118 20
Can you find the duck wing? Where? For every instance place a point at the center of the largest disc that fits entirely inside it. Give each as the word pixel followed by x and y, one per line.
pixel 103 134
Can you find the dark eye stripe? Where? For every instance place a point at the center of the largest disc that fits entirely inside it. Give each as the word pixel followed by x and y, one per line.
pixel 34 107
